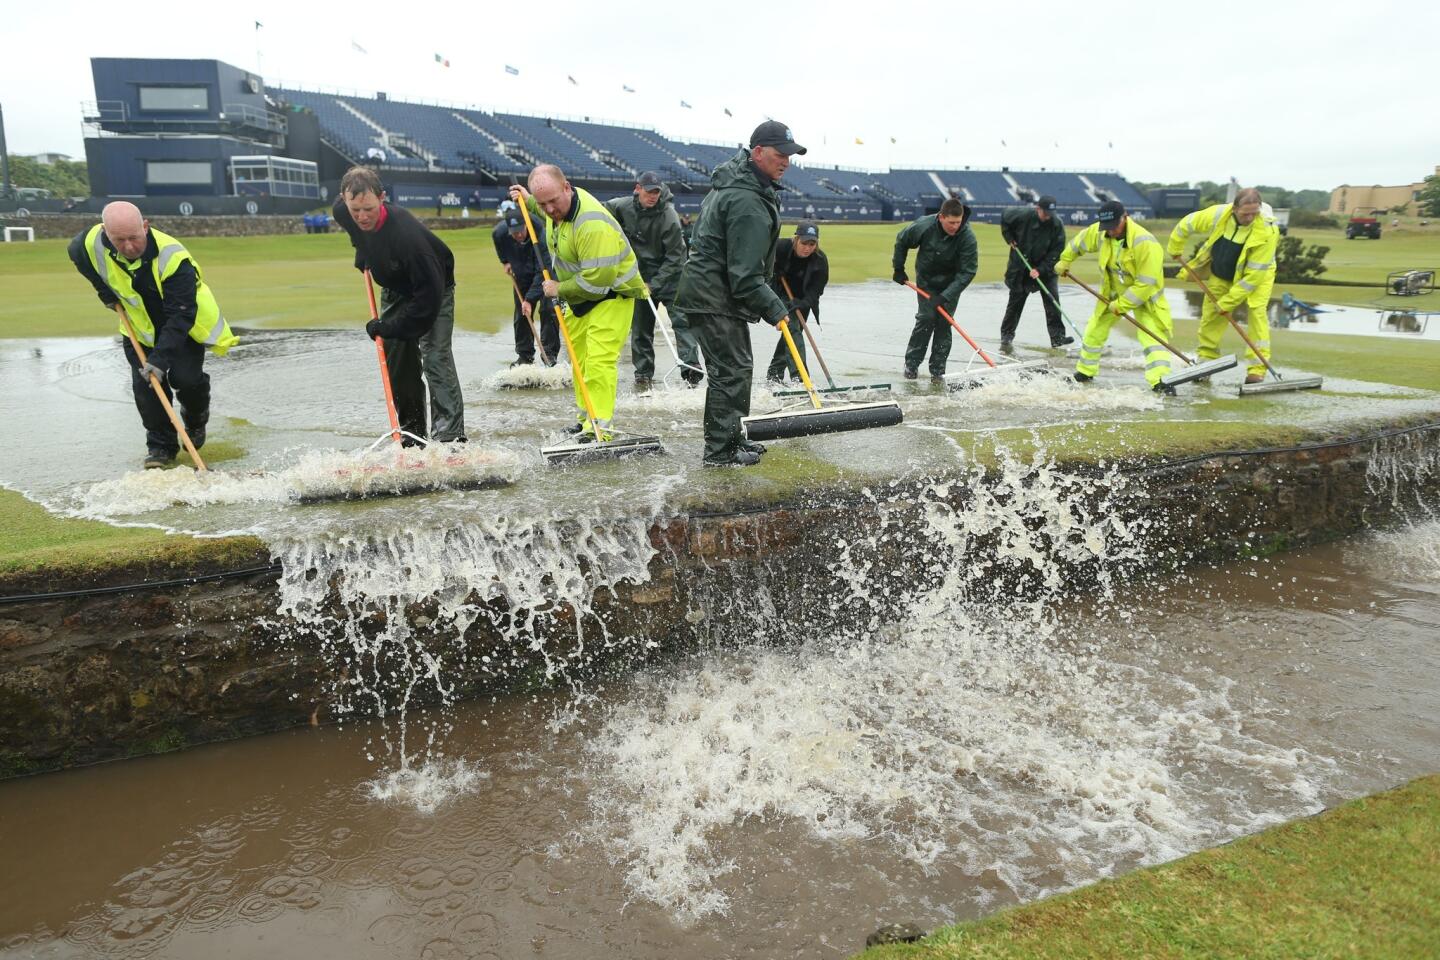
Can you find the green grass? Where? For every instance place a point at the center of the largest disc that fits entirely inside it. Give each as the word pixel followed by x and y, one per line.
pixel 304 280
pixel 1362 880
pixel 37 546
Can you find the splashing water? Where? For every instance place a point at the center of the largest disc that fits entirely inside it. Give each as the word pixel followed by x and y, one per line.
pixel 317 475
pixel 417 616
pixel 530 376
pixel 429 786
pixel 1057 392
pixel 940 732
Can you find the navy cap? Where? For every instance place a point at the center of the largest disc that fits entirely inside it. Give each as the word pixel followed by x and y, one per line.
pixel 1046 203
pixel 806 230
pixel 1110 211
pixel 514 219
pixel 773 133
pixel 650 180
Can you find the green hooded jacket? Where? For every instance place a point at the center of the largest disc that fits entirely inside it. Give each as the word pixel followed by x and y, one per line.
pixel 656 239
pixel 1042 243
pixel 945 265
pixel 732 248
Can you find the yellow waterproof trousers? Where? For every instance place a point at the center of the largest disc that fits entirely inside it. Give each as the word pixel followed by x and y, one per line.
pixel 596 339
pixel 1097 331
pixel 1213 325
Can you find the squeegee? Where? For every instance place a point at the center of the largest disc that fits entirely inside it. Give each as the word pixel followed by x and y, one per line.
pixel 1195 371
pixel 824 367
pixel 803 422
pixel 1279 384
pixel 979 376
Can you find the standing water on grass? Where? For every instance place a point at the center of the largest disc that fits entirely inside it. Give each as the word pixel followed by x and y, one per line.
pixel 1021 710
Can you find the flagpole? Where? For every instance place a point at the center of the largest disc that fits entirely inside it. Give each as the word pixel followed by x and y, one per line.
pixel 259 65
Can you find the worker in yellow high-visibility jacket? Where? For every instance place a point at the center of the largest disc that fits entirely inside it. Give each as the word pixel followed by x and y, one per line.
pixel 1132 265
pixel 596 273
pixel 152 277
pixel 1237 263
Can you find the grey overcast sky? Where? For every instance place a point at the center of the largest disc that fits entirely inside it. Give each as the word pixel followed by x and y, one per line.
pixel 1290 94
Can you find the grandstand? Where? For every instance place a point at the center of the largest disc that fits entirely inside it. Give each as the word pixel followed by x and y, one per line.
pixel 447 155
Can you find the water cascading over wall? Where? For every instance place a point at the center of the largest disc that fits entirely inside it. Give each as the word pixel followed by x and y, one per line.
pixel 377 625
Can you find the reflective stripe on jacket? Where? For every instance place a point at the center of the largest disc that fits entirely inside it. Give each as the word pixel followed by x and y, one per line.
pixel 1133 270
pixel 590 253
pixel 1256 268
pixel 209 327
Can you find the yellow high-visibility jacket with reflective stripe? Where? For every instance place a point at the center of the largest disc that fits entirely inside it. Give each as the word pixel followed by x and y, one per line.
pixel 591 253
pixel 1133 271
pixel 1256 268
pixel 209 328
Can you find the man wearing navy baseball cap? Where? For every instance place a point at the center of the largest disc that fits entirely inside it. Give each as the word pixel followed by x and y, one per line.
pixel 801 265
pixel 1132 265
pixel 724 288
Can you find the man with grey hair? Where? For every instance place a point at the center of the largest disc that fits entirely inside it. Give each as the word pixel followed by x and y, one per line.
pixel 597 275
pixel 151 278
pixel 416 273
pixel 1236 261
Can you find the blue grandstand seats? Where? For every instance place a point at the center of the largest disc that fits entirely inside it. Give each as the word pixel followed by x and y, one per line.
pixel 987 187
pixel 342 128
pixel 559 149
pixel 1115 185
pixel 1066 188
pixel 598 151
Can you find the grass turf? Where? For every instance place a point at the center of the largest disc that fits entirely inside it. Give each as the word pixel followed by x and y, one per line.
pixel 305 280
pixel 1360 880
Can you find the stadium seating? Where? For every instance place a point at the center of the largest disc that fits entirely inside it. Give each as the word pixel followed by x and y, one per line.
pixel 1066 188
pixel 1115 185
pixel 587 150
pixel 346 131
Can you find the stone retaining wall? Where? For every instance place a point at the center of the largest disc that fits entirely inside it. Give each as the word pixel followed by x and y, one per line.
pixel 91 678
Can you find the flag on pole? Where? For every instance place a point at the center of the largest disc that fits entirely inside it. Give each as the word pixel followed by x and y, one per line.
pixel 511 70
pixel 892 139
pixel 441 60
pixel 573 81
pixel 357 48
pixel 627 89
pixel 258 24
pixel 859 141
pixel 686 105
pixel 728 113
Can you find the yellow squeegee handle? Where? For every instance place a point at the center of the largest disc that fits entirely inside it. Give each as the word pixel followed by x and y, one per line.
pixel 560 316
pixel 784 327
pixel 160 392
pixel 1243 335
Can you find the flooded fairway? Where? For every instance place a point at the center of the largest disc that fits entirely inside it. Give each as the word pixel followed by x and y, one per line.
pixel 771 799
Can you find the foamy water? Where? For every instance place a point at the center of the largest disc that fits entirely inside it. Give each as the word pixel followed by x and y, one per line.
pixel 428 786
pixel 1057 391
pixel 319 474
pixel 531 376
pixel 942 734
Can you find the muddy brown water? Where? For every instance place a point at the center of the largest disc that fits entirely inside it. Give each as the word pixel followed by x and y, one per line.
pixel 766 803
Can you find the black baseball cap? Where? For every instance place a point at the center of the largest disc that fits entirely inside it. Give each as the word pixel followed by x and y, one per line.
pixel 650 180
pixel 1110 211
pixel 1046 203
pixel 515 220
pixel 773 133
pixel 806 230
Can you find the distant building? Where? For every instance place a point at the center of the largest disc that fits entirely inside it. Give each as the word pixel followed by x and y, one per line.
pixel 1347 199
pixel 49 159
